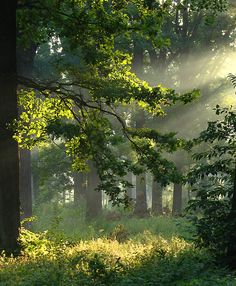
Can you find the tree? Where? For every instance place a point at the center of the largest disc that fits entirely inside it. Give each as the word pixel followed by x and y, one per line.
pixel 79 187
pixel 216 192
pixel 157 189
pixel 84 58
pixel 105 75
pixel 93 196
pixel 9 163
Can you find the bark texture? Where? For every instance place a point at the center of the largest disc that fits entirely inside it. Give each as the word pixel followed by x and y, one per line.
pixel 9 160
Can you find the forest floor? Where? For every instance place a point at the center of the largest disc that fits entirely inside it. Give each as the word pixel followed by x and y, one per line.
pixel 126 251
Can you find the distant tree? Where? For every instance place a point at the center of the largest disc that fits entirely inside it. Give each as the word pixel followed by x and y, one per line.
pixel 177 199
pixel 79 187
pixel 141 182
pixel 157 192
pixel 93 196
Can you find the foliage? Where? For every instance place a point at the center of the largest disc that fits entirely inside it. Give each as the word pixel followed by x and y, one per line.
pixel 53 170
pixel 108 262
pixel 33 121
pixel 90 77
pixel 213 178
pixel 215 5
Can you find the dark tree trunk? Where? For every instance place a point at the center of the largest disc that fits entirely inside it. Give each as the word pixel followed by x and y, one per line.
pixel 9 160
pixel 25 64
pixel 93 197
pixel 157 207
pixel 79 188
pixel 177 199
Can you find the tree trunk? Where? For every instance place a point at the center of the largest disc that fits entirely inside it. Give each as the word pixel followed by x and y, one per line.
pixel 25 64
pixel 141 196
pixel 177 199
pixel 157 207
pixel 9 160
pixel 129 191
pixel 79 188
pixel 93 197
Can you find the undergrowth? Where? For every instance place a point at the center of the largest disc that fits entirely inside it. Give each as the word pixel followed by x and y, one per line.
pixel 65 249
pixel 104 261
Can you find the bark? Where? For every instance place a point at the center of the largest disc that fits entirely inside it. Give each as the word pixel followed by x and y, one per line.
pixel 177 199
pixel 93 197
pixel 9 160
pixel 79 188
pixel 157 207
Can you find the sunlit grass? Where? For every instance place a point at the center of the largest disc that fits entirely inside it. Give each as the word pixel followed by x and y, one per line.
pixel 108 262
pixel 125 251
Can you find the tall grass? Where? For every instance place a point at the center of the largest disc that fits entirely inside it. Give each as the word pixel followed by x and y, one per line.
pixel 71 223
pixel 116 249
pixel 101 262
